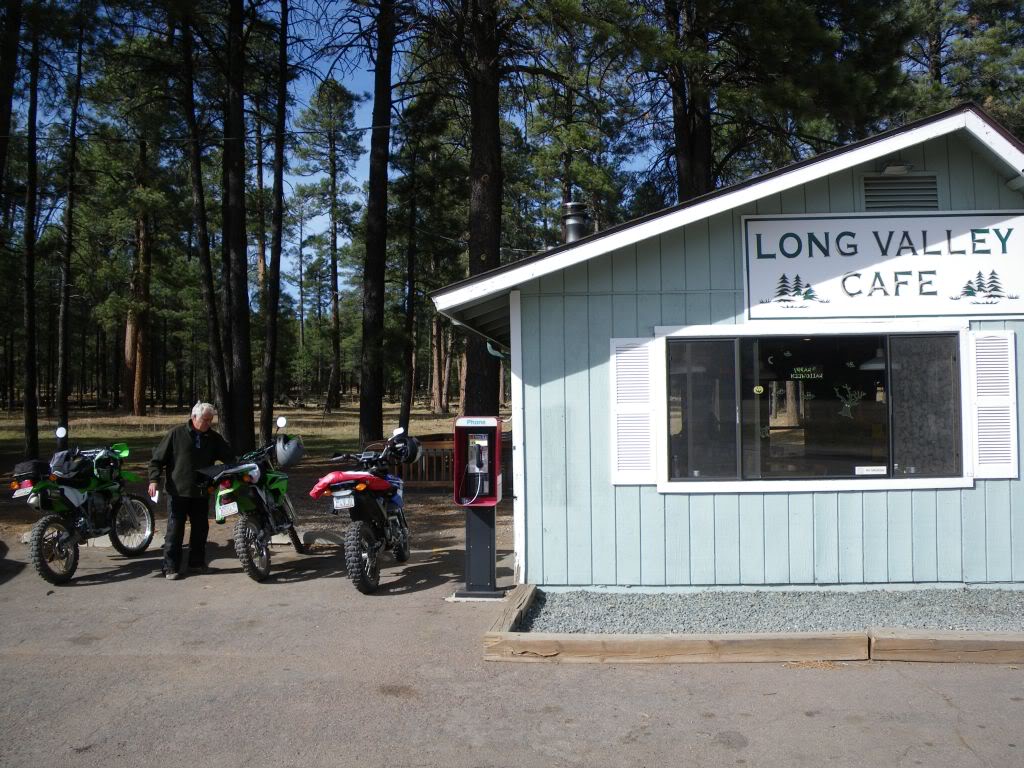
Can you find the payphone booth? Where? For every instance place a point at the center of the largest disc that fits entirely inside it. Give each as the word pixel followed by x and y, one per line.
pixel 477 455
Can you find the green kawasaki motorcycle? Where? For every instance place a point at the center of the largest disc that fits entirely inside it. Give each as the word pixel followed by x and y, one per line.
pixel 256 490
pixel 82 495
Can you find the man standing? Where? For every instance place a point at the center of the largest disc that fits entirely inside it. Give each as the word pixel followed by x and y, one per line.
pixel 185 449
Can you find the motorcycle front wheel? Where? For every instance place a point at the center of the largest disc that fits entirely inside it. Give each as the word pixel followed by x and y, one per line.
pixel 132 528
pixel 252 549
pixel 361 557
pixel 54 554
pixel 401 548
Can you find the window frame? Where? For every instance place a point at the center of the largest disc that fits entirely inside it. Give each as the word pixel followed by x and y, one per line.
pixel 882 326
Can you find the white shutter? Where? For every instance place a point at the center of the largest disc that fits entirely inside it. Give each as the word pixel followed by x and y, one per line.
pixel 632 413
pixel 994 404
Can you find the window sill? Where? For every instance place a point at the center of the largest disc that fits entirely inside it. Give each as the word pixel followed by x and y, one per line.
pixel 810 486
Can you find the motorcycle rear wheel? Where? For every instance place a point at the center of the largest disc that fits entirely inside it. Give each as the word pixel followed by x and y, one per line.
pixel 252 551
pixel 131 530
pixel 361 561
pixel 54 561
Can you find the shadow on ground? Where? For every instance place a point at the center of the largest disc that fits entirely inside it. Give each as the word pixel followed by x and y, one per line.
pixel 8 568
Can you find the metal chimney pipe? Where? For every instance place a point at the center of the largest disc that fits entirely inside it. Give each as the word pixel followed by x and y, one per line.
pixel 575 221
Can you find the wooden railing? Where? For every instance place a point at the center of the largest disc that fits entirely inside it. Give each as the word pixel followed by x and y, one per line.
pixel 435 469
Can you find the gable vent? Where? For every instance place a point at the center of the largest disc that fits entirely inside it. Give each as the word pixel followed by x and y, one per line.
pixel 915 192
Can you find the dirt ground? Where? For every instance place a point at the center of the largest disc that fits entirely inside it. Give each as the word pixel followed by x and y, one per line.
pixel 433 519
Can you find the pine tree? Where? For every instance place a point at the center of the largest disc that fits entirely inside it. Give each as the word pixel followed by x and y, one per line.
pixel 968 289
pixel 798 287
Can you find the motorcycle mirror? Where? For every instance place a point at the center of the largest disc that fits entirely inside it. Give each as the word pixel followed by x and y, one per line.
pixel 61 433
pixel 398 432
pixel 281 422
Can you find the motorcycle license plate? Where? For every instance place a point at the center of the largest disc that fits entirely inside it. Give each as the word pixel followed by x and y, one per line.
pixel 344 502
pixel 21 492
pixel 231 508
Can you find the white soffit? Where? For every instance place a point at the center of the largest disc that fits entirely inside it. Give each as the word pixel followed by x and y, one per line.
pixel 967 119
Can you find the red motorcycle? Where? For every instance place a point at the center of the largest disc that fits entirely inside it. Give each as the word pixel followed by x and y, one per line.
pixel 374 501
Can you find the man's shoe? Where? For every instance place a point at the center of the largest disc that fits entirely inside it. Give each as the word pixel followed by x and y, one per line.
pixel 199 568
pixel 172 576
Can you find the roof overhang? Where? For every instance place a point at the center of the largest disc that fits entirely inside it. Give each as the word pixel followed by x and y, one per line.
pixel 477 301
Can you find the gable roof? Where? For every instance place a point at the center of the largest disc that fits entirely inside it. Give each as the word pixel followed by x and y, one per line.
pixel 480 302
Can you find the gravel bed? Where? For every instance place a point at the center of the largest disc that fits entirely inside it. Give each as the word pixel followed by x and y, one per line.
pixel 776 611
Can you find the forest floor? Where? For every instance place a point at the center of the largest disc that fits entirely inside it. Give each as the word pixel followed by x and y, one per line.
pixel 320 431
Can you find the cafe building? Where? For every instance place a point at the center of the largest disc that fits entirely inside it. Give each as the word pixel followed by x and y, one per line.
pixel 806 378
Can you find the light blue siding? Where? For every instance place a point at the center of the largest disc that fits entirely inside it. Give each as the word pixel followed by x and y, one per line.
pixel 581 530
pixel 752 539
pixel 923 522
pixel 899 529
pixel 826 538
pixel 801 538
pixel 851 537
pixel 727 539
pixel 579 445
pixel 702 539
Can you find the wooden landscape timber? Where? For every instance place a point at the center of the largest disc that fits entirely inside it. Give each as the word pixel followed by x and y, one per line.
pixel 502 642
pixel 672 648
pixel 947 646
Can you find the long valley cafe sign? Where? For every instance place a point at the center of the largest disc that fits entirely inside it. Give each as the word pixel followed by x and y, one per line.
pixel 864 265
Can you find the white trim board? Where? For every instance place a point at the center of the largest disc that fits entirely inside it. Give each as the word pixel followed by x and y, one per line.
pixel 967 120
pixel 659 395
pixel 518 421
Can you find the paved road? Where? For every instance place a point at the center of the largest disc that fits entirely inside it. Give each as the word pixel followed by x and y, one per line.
pixel 123 668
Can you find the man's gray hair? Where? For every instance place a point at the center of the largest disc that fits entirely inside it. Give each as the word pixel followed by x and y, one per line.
pixel 200 409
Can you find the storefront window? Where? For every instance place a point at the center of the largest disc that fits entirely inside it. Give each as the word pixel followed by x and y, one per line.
pixel 865 406
pixel 702 409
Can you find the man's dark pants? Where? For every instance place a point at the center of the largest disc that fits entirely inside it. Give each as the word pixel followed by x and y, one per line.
pixel 196 510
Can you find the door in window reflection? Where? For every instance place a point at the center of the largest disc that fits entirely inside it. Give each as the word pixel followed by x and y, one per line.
pixel 814 407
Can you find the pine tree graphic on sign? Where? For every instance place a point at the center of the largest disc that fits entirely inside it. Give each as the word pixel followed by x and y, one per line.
pixel 968 289
pixel 979 283
pixel 995 289
pixel 809 293
pixel 783 289
pixel 798 287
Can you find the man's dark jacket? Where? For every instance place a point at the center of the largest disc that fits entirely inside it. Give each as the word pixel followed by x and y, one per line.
pixel 183 451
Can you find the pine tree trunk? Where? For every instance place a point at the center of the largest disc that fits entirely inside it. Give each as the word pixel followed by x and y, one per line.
pixel 409 345
pixel 8 72
pixel 277 234
pixel 135 339
pixel 436 363
pixel 691 104
pixel 241 426
pixel 63 319
pixel 446 382
pixel 31 200
pixel 333 390
pixel 201 223
pixel 371 385
pixel 486 182
pixel 261 215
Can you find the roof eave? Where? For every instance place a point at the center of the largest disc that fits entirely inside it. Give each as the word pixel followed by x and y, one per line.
pixel 968 117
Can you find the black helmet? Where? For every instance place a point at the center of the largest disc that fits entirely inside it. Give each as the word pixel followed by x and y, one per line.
pixel 288 450
pixel 408 450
